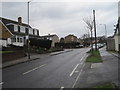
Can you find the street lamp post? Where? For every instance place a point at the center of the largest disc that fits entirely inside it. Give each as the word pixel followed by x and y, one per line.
pixel 105 30
pixel 28 32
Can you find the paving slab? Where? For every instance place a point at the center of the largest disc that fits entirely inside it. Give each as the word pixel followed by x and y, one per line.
pixel 96 65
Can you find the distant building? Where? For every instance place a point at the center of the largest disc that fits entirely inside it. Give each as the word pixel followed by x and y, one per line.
pixel 113 43
pixel 80 41
pixel 54 38
pixel 4 35
pixel 70 38
pixel 20 31
pixel 110 43
pixel 62 40
pixel 117 36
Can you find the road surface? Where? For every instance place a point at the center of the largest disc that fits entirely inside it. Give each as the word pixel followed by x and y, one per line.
pixel 56 71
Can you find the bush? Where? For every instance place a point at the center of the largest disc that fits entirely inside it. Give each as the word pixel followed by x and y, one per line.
pixel 43 43
pixel 67 45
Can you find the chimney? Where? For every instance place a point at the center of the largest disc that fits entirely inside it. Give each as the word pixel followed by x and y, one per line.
pixel 19 20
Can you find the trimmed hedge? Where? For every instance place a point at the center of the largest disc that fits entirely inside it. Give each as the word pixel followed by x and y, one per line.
pixel 67 45
pixel 43 43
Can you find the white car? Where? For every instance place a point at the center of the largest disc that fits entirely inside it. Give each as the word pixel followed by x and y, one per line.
pixel 94 46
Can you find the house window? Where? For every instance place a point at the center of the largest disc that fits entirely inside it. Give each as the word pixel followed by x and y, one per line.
pixel 26 30
pixel 30 31
pixel 33 31
pixel 21 40
pixel 17 39
pixel 24 39
pixel 15 28
pixel 22 29
pixel 18 28
pixel 37 32
pixel 45 38
pixel 72 38
pixel 50 38
pixel 14 39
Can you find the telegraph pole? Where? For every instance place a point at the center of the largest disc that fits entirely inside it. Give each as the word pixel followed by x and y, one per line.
pixel 28 33
pixel 95 29
pixel 105 31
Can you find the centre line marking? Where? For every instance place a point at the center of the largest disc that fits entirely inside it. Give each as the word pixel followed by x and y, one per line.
pixel 74 70
pixel 82 58
pixel 33 69
pixel 78 77
pixel 1 83
pixel 61 88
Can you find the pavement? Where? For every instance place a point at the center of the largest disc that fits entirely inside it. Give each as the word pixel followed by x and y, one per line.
pixel 95 74
pixel 115 54
pixel 32 57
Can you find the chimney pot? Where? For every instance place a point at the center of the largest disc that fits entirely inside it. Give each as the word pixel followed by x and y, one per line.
pixel 19 20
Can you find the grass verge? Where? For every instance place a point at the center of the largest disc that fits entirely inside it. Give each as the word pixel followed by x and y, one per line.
pixel 95 58
pixel 7 51
pixel 108 85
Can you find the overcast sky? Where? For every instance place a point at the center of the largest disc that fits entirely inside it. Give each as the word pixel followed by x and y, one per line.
pixel 63 18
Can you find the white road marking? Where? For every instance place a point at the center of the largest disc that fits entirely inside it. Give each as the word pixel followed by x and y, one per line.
pixel 33 69
pixel 1 83
pixel 80 63
pixel 78 77
pixel 74 70
pixel 82 58
pixel 61 88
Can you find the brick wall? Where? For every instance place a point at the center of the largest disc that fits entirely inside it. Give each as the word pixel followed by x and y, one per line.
pixel 12 56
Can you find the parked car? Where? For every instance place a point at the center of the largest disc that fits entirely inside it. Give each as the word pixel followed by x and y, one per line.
pixel 99 45
pixel 79 46
pixel 94 46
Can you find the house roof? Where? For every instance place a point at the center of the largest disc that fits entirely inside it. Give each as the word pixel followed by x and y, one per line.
pixel 8 21
pixel 71 35
pixel 49 35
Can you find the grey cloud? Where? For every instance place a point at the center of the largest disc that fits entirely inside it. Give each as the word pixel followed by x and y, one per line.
pixel 13 10
pixel 63 18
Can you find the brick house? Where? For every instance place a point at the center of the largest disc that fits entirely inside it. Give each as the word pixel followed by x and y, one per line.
pixel 70 38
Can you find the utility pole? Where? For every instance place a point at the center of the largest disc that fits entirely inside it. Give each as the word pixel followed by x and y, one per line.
pixel 95 29
pixel 28 34
pixel 105 31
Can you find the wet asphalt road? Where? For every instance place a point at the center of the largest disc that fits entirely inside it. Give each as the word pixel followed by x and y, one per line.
pixel 57 71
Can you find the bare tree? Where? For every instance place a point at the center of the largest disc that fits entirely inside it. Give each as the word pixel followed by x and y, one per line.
pixel 89 25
